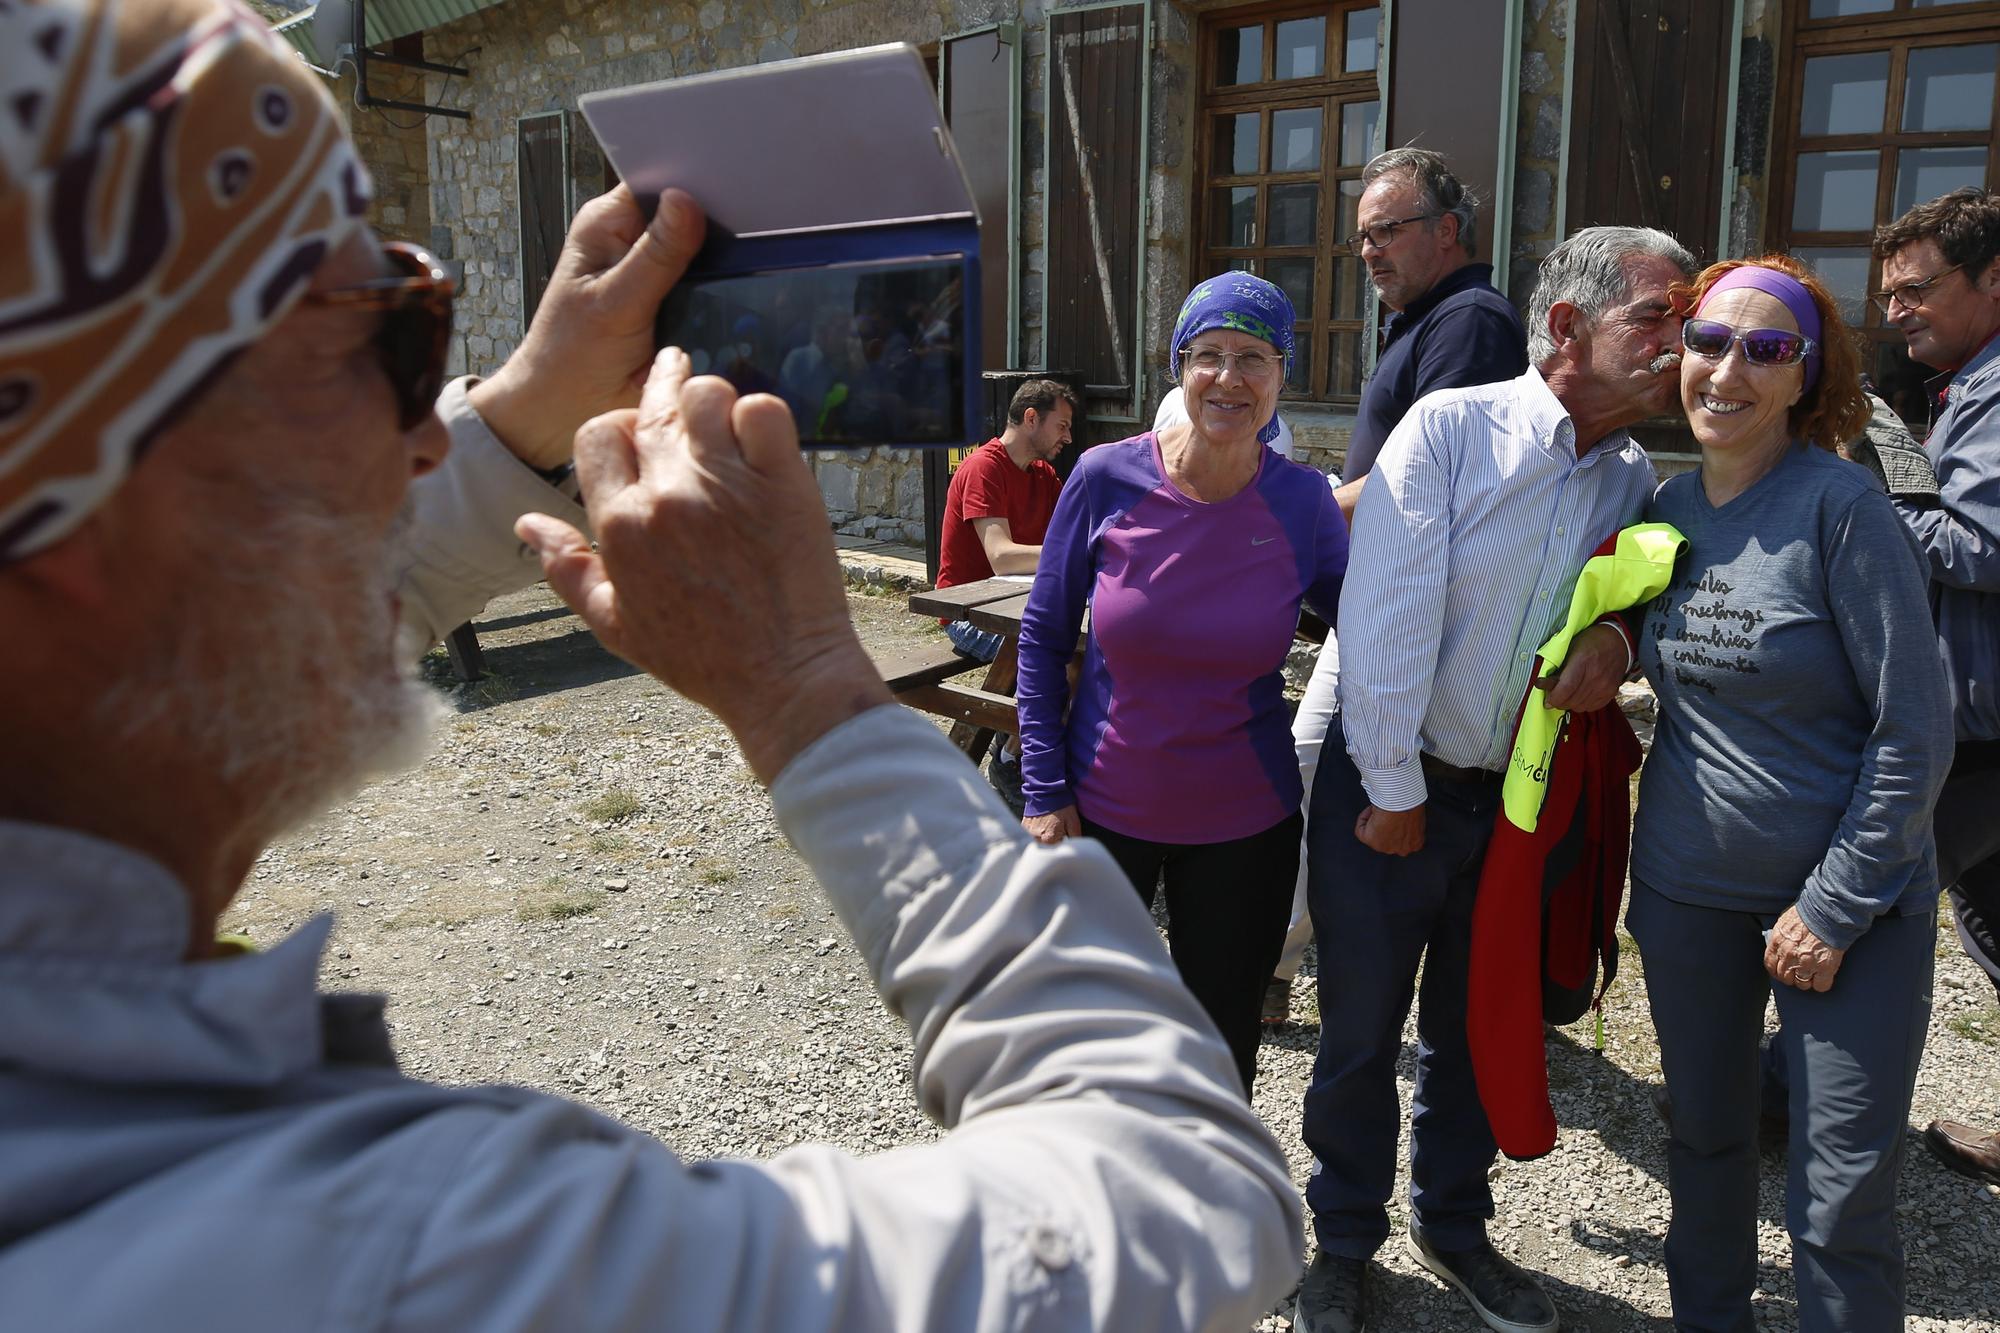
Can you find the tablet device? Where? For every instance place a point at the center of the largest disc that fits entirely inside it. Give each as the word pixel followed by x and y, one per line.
pixel 842 266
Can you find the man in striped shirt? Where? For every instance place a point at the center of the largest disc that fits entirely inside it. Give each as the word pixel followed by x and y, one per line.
pixel 1483 507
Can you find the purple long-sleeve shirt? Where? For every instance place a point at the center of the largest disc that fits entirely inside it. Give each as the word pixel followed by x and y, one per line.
pixel 1179 731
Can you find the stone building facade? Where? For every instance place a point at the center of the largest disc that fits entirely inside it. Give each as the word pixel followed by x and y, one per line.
pixel 1716 142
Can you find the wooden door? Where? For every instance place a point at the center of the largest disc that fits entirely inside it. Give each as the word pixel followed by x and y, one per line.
pixel 1647 116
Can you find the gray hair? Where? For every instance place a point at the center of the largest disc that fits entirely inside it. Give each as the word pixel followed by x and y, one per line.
pixel 1588 272
pixel 1440 193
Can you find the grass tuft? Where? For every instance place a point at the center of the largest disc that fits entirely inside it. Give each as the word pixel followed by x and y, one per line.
pixel 612 805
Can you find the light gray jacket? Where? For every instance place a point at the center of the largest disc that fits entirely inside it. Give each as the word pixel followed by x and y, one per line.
pixel 1960 537
pixel 217 1146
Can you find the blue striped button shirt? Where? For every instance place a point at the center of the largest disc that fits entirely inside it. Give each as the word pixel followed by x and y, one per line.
pixel 1467 544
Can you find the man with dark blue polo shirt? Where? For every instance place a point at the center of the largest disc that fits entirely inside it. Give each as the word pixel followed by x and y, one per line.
pixel 1451 327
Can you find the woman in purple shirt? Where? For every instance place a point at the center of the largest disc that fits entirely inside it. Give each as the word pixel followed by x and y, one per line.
pixel 1193 548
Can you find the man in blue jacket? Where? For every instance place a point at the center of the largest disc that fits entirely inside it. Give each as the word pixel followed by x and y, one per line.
pixel 1941 290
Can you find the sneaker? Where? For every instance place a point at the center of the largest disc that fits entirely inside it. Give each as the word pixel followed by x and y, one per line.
pixel 1004 772
pixel 1334 1296
pixel 1277 1002
pixel 1499 1290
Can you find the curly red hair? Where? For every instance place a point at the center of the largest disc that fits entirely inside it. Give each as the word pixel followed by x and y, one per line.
pixel 1835 409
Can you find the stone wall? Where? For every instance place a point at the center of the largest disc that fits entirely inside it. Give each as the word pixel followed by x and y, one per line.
pixel 394 144
pixel 1538 142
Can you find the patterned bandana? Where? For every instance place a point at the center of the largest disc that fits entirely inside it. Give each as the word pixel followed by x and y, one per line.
pixel 1241 302
pixel 170 177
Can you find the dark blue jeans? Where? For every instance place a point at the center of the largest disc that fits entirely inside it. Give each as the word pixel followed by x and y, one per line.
pixel 1377 917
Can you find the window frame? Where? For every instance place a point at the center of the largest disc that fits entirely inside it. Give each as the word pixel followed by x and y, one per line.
pixel 1330 91
pixel 1897 33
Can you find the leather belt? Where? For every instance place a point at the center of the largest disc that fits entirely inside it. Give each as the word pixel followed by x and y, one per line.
pixel 1435 767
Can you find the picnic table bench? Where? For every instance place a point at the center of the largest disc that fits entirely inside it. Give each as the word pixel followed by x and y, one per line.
pixel 926 678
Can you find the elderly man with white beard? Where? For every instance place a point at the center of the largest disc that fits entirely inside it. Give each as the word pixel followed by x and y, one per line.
pixel 229 467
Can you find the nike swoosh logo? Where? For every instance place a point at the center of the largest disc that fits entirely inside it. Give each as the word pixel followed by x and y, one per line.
pixel 1262 541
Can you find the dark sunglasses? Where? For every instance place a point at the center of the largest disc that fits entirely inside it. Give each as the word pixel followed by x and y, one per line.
pixel 1710 339
pixel 416 325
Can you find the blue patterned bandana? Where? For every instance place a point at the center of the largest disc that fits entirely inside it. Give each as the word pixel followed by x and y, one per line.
pixel 1242 303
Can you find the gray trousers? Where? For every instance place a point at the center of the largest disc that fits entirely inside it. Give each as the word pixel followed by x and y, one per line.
pixel 1852 1053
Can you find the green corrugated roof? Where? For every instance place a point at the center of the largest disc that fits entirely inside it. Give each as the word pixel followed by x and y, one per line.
pixel 387 20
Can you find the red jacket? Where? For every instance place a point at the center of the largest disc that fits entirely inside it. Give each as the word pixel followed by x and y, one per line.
pixel 1547 908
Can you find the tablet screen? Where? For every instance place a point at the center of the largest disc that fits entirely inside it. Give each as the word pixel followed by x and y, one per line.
pixel 869 353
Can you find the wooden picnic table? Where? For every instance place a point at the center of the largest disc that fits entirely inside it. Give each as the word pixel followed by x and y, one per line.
pixel 925 681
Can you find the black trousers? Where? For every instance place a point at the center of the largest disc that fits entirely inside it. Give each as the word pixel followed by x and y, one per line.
pixel 1228 907
pixel 1967 828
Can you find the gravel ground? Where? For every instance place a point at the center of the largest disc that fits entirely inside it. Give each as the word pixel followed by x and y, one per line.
pixel 584 891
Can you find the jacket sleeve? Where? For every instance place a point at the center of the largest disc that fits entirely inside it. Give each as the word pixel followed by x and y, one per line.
pixel 1102 1169
pixel 1877 598
pixel 1050 623
pixel 462 530
pixel 1960 535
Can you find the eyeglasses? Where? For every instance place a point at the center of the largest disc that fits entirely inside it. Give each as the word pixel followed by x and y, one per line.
pixel 1251 365
pixel 1710 339
pixel 1383 234
pixel 1911 294
pixel 416 325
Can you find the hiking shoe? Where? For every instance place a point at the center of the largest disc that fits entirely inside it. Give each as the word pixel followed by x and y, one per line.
pixel 1334 1296
pixel 1277 1002
pixel 1499 1290
pixel 1004 772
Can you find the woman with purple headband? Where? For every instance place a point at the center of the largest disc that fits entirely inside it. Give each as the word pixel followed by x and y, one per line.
pixel 1193 547
pixel 1782 840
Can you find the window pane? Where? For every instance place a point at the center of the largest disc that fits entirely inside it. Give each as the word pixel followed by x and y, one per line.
pixel 1949 88
pixel 1357 133
pixel 1845 272
pixel 1294 214
pixel 1239 56
pixel 1295 139
pixel 1361 26
pixel 1833 9
pixel 1836 192
pixel 1294 277
pixel 1922 174
pixel 1845 94
pixel 1350 289
pixel 1343 364
pixel 1299 378
pixel 1299 47
pixel 1236 144
pixel 1232 218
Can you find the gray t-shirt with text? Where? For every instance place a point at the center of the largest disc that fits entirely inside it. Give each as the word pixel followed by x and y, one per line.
pixel 1804 721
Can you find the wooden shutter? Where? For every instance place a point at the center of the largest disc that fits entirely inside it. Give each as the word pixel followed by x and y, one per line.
pixel 541 163
pixel 982 90
pixel 1092 182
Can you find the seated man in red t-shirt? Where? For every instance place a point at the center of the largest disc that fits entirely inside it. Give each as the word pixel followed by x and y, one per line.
pixel 995 516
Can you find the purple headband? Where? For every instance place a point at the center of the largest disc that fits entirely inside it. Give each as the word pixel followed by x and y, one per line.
pixel 1788 289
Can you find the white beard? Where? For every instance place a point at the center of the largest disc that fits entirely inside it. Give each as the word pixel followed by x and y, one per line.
pixel 291 700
